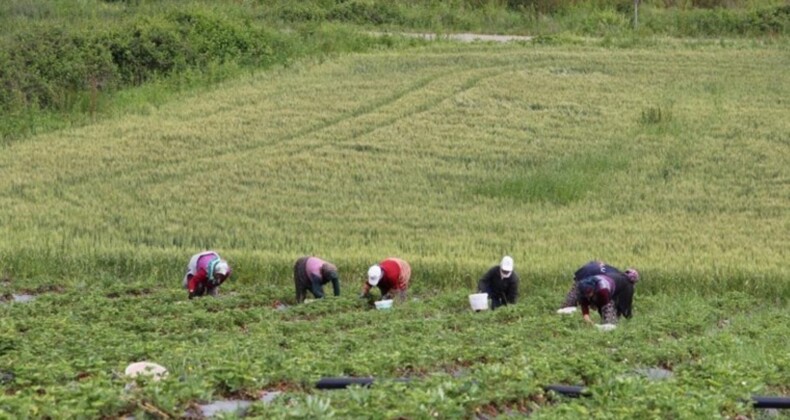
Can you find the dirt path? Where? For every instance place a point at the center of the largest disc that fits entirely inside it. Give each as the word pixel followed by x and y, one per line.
pixel 462 37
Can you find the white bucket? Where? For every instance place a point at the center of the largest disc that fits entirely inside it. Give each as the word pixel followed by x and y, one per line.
pixel 155 371
pixel 384 304
pixel 479 301
pixel 605 327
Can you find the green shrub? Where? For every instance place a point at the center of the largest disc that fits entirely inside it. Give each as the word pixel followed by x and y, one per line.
pixel 149 46
pixel 49 67
pixel 366 12
pixel 774 21
pixel 654 115
pixel 301 12
pixel 719 22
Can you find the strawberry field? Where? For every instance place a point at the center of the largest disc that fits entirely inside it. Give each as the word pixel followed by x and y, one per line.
pixel 670 157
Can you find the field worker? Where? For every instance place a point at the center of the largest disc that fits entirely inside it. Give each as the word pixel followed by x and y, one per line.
pixel 590 269
pixel 501 283
pixel 206 271
pixel 391 276
pixel 611 294
pixel 312 273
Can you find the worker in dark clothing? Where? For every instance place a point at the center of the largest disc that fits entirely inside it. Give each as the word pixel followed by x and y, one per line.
pixel 590 269
pixel 501 283
pixel 311 274
pixel 612 295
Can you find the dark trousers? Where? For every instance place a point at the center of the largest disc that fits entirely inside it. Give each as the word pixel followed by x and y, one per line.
pixel 497 296
pixel 623 298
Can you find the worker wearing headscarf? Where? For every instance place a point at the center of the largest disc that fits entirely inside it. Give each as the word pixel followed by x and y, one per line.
pixel 391 276
pixel 590 269
pixel 311 274
pixel 612 295
pixel 206 271
pixel 501 283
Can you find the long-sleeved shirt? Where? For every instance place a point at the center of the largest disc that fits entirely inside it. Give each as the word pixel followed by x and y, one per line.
pixel 594 268
pixel 604 290
pixel 500 290
pixel 395 277
pixel 311 273
pixel 198 275
pixel 313 266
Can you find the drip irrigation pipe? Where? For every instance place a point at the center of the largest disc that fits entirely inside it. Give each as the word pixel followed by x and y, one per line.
pixel 757 401
pixel 566 390
pixel 344 382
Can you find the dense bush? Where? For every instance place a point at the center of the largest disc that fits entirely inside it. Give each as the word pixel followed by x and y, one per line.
pixel 720 22
pixel 49 67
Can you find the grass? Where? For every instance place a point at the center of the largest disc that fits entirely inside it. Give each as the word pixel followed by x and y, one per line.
pixel 448 156
pixel 415 155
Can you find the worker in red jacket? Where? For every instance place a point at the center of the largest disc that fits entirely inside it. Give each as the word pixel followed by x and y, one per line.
pixel 206 271
pixel 391 276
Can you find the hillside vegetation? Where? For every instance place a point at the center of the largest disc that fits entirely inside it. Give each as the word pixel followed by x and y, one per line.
pixel 64 63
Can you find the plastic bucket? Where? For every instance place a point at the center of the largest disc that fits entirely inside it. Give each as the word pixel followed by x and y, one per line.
pixel 155 371
pixel 478 301
pixel 384 304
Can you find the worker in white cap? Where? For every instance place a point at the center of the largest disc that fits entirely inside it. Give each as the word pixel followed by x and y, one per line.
pixel 501 283
pixel 206 271
pixel 391 276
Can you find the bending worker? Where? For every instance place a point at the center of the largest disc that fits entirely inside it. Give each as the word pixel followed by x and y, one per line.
pixel 206 271
pixel 593 268
pixel 312 273
pixel 501 283
pixel 612 297
pixel 391 276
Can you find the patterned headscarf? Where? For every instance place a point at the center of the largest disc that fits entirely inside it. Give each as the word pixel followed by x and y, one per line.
pixel 217 266
pixel 590 284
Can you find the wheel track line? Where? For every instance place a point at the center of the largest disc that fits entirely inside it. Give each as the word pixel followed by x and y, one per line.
pixel 152 175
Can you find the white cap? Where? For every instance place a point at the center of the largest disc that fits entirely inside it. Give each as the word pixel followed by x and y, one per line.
pixel 222 268
pixel 374 275
pixel 507 264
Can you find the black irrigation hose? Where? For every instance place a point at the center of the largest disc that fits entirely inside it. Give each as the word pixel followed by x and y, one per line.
pixel 566 390
pixel 757 401
pixel 344 382
pixel 771 402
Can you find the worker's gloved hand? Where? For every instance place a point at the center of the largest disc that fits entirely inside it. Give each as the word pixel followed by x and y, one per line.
pixel 191 295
